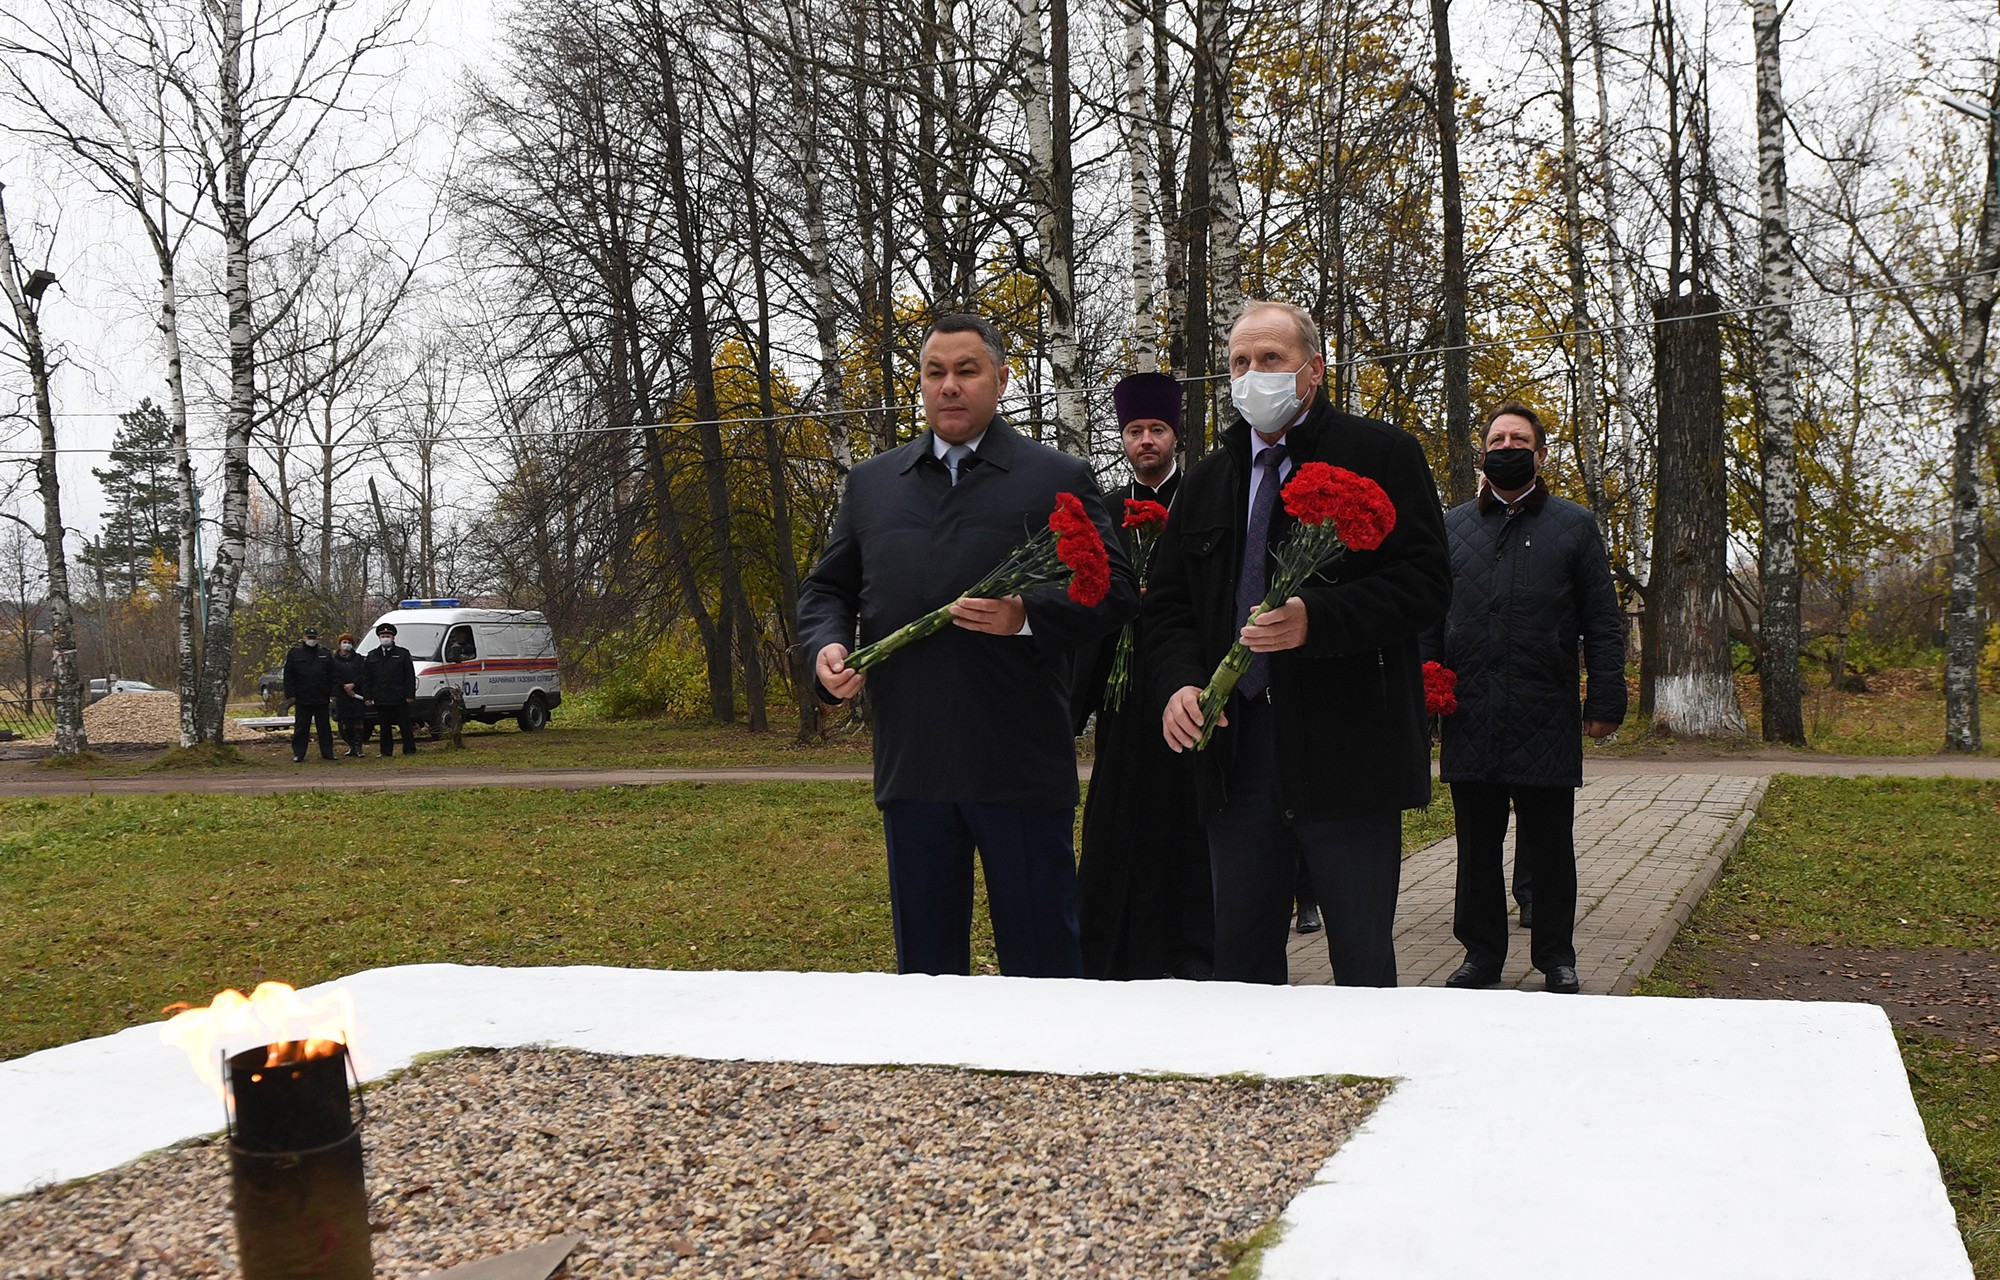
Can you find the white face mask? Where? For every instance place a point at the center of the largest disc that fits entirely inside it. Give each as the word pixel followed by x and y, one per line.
pixel 347 648
pixel 1267 400
pixel 311 643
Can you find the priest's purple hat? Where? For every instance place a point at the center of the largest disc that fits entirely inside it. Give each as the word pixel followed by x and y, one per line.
pixel 1149 395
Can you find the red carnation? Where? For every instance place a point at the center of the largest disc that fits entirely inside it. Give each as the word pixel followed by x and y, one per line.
pixel 1337 511
pixel 1141 514
pixel 1069 519
pixel 1361 512
pixel 1068 550
pixel 1079 546
pixel 1440 689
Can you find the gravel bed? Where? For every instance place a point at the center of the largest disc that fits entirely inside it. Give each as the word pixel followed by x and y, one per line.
pixel 678 1167
pixel 131 718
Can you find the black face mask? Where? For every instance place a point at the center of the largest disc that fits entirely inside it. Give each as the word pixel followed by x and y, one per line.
pixel 1509 469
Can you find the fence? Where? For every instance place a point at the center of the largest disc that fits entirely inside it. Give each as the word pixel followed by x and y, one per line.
pixel 26 718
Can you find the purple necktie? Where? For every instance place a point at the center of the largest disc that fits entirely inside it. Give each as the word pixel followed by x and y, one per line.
pixel 1255 579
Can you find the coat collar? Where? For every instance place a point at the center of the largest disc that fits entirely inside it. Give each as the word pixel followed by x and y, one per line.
pixel 1301 441
pixel 1532 501
pixel 999 447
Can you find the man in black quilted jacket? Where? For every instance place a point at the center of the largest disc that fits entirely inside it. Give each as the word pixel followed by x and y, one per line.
pixel 1530 580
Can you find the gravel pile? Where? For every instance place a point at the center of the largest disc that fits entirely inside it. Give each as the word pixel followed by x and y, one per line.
pixel 129 719
pixel 674 1167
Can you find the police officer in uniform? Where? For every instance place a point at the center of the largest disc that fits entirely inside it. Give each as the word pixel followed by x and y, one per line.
pixel 391 685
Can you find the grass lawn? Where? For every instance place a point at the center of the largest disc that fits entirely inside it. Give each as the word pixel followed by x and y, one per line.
pixel 570 742
pixel 1902 714
pixel 1877 863
pixel 112 907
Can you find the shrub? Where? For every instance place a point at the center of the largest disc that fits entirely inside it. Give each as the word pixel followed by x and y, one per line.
pixel 633 675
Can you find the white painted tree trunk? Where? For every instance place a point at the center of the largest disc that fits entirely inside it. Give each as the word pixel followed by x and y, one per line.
pixel 1140 161
pixel 1777 558
pixel 1051 205
pixel 231 200
pixel 1963 627
pixel 70 737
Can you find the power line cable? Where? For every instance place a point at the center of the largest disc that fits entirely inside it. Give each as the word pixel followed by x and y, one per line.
pixel 1559 336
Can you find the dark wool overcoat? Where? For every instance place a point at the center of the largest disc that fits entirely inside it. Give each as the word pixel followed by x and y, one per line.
pixel 352 669
pixel 1529 582
pixel 1349 705
pixel 391 674
pixel 308 674
pixel 1144 902
pixel 962 716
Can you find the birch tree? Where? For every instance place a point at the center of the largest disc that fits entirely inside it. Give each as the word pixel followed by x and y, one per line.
pixel 1139 165
pixel 1777 560
pixel 1044 97
pixel 92 85
pixel 262 102
pixel 24 291
pixel 1971 389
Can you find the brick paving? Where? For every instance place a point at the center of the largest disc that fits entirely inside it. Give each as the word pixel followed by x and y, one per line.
pixel 1647 847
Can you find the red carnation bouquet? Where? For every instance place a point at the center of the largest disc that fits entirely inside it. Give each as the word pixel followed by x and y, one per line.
pixel 1146 520
pixel 1336 509
pixel 1440 689
pixel 1067 550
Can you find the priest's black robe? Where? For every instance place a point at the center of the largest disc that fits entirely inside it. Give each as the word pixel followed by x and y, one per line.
pixel 1144 902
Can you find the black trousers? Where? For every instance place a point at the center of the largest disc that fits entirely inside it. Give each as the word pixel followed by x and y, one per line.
pixel 1544 845
pixel 305 715
pixel 392 715
pixel 1029 856
pixel 1356 864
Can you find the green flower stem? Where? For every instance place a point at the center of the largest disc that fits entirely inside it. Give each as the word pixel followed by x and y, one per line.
pixel 1231 669
pixel 1121 670
pixel 928 625
pixel 1311 549
pixel 1032 564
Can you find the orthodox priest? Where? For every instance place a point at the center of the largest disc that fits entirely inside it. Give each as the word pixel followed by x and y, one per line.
pixel 1143 893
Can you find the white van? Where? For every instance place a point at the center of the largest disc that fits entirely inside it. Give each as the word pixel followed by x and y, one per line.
pixel 476 664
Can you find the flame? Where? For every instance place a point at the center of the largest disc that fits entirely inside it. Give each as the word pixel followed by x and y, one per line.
pixel 274 1015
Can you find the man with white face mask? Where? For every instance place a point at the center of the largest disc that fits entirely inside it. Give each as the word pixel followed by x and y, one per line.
pixel 1324 742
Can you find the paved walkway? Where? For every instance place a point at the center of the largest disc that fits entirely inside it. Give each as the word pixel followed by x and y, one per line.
pixel 1647 847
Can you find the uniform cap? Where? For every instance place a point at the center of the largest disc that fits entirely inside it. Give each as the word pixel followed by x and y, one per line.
pixel 386 629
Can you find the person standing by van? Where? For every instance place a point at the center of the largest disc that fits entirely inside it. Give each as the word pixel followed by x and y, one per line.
pixel 350 709
pixel 390 683
pixel 309 684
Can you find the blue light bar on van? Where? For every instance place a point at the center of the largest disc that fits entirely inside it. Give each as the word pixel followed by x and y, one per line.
pixel 447 603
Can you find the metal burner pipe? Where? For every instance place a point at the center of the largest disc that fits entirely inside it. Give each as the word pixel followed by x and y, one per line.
pixel 295 1170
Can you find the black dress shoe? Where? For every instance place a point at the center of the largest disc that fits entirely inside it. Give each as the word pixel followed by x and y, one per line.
pixel 1562 980
pixel 1309 918
pixel 1527 913
pixel 298 759
pixel 1471 975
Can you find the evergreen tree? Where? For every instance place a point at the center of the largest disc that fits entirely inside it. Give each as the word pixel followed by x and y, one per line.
pixel 142 496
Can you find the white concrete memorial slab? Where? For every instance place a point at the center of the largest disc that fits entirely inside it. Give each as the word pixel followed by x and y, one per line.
pixel 1528 1135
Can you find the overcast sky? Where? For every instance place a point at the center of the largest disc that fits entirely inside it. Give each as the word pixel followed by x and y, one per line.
pixel 102 314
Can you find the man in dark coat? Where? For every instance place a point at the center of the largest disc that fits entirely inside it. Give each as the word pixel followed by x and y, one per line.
pixel 350 707
pixel 1530 579
pixel 973 744
pixel 390 683
pixel 1143 895
pixel 309 684
pixel 1324 743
